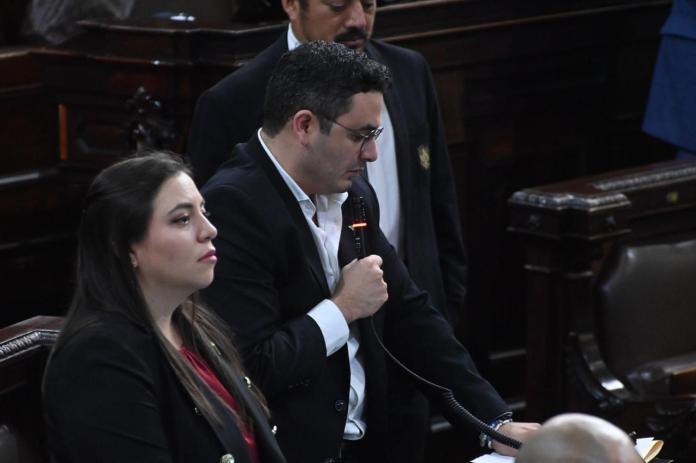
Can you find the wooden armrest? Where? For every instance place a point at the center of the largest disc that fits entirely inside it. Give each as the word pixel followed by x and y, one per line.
pixel 684 381
pixel 669 376
pixel 20 346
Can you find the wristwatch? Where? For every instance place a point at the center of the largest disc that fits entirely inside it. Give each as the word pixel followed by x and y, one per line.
pixel 484 439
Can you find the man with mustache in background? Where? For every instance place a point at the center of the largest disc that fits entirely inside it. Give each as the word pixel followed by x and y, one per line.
pixel 412 176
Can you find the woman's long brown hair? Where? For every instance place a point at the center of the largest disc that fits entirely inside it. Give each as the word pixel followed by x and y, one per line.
pixel 116 213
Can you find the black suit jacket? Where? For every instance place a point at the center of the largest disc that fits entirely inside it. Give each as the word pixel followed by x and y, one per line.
pixel 111 396
pixel 269 276
pixel 232 110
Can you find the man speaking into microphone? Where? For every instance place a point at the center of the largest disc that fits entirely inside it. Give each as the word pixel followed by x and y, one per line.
pixel 290 283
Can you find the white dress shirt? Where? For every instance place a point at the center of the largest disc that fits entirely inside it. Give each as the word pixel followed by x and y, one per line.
pixel 327 234
pixel 384 178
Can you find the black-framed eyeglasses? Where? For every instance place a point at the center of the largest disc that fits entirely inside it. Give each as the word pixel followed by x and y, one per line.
pixel 365 134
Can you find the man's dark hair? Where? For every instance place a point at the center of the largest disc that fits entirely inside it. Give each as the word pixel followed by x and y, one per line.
pixel 321 77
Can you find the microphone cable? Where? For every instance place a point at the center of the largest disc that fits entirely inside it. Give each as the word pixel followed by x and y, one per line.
pixel 463 415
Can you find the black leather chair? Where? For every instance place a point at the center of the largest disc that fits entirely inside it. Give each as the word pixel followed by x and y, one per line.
pixel 646 302
pixel 24 348
pixel 634 351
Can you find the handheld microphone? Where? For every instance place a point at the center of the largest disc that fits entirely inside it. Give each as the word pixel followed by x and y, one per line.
pixel 457 410
pixel 359 225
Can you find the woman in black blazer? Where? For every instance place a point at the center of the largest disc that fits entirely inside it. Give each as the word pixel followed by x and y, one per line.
pixel 141 372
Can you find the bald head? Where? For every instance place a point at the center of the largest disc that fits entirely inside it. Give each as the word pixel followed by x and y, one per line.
pixel 578 438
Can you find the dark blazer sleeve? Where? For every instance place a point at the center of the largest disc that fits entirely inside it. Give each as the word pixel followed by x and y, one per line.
pixel 105 405
pixel 445 210
pixel 433 232
pixel 225 115
pixel 256 290
pixel 421 337
pixel 210 141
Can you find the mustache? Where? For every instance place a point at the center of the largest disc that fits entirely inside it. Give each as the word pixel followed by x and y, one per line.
pixel 351 34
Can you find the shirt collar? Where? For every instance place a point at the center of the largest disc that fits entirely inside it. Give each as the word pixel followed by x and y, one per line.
pixel 299 194
pixel 293 42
